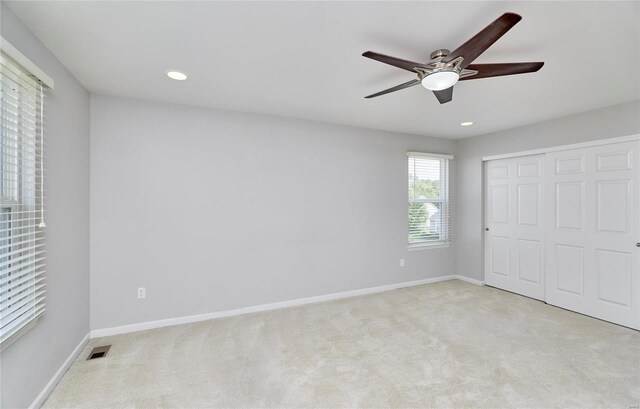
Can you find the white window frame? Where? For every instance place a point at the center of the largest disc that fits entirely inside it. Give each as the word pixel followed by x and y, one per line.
pixel 14 206
pixel 444 200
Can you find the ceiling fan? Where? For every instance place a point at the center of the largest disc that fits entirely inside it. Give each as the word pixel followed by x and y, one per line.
pixel 445 68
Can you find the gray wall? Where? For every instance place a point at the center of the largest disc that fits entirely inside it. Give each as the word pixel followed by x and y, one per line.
pixel 617 120
pixel 30 362
pixel 213 210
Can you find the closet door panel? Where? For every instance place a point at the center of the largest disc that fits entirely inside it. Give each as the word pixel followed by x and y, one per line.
pixel 593 264
pixel 514 246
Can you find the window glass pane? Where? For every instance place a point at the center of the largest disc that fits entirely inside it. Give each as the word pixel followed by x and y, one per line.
pixel 424 178
pixel 5 224
pixel 425 221
pixel 427 187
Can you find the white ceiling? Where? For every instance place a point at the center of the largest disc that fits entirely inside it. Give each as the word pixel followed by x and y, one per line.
pixel 303 59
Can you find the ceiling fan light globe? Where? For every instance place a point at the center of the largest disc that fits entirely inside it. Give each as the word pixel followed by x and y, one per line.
pixel 440 80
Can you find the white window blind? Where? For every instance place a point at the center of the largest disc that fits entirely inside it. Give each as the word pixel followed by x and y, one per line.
pixel 429 204
pixel 22 286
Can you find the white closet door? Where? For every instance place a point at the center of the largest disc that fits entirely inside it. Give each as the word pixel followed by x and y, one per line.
pixel 514 231
pixel 592 230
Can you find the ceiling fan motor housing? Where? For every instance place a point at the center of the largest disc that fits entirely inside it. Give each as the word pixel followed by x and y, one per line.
pixel 443 52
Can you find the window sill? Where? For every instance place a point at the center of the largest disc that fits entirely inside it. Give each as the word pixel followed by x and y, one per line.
pixel 14 337
pixel 422 246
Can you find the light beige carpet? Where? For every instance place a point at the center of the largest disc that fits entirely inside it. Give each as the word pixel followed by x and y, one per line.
pixel 449 344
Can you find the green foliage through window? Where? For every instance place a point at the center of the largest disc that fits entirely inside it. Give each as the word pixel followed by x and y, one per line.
pixel 427 199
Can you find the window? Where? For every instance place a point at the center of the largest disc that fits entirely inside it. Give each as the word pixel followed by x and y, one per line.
pixel 429 206
pixel 22 285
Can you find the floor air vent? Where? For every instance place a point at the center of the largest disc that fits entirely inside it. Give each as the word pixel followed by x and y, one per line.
pixel 99 352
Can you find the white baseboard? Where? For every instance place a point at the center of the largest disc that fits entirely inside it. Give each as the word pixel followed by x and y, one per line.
pixel 104 332
pixel 228 313
pixel 58 375
pixel 469 280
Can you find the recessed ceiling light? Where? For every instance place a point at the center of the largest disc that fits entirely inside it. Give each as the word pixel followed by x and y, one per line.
pixel 466 123
pixel 177 75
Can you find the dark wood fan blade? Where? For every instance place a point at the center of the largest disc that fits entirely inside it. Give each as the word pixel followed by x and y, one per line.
pixel 497 70
pixel 396 62
pixel 396 88
pixel 484 39
pixel 445 95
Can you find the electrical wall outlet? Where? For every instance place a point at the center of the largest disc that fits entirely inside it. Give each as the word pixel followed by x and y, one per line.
pixel 142 292
pixel 401 262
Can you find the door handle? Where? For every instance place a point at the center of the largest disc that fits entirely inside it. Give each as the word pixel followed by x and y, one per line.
pixel 487 229
pixel 637 244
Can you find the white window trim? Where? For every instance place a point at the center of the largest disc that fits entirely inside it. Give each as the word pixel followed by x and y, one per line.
pixel 46 81
pixel 446 242
pixel 429 246
pixel 430 155
pixel 29 65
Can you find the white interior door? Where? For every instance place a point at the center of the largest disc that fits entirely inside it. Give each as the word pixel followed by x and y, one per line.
pixel 514 225
pixel 593 264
